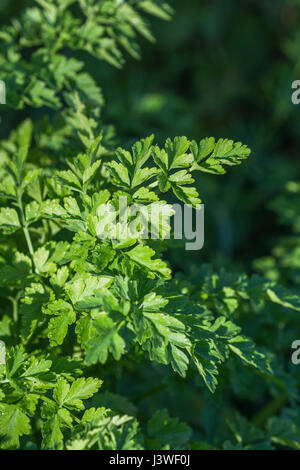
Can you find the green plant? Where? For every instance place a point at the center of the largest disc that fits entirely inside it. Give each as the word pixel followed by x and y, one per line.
pixel 78 309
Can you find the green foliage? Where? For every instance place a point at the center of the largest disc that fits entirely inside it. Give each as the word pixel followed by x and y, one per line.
pixel 48 75
pixel 83 307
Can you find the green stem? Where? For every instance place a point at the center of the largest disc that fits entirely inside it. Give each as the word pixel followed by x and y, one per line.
pixel 15 310
pixel 270 409
pixel 14 302
pixel 25 229
pixel 28 240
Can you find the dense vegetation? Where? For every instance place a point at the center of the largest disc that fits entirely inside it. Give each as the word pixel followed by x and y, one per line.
pixel 135 343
